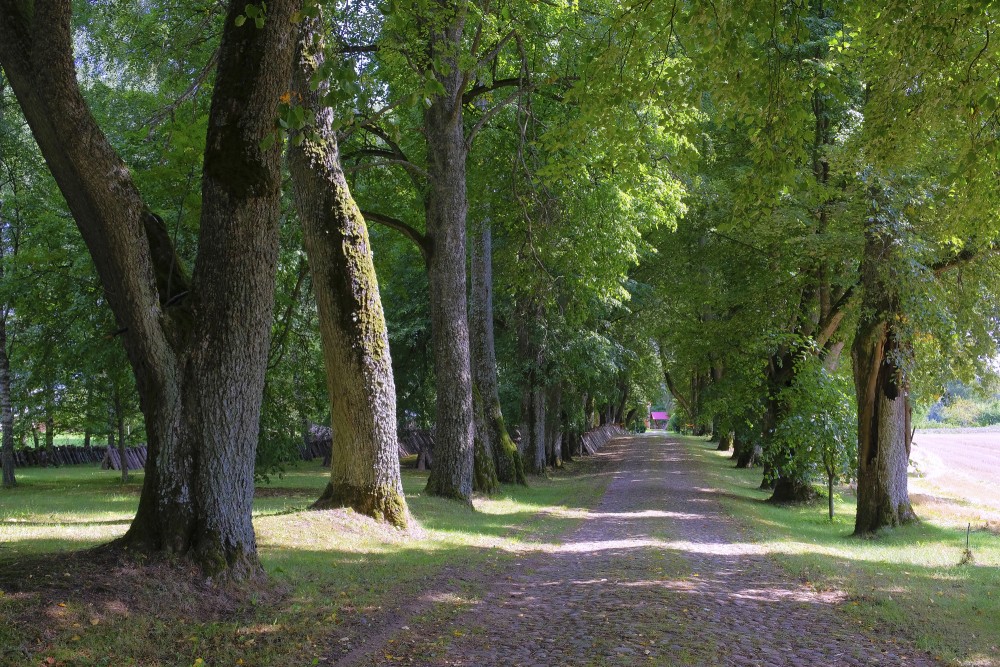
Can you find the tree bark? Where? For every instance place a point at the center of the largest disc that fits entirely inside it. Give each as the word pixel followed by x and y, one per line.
pixel 50 438
pixel 6 407
pixel 364 470
pixel 538 431
pixel 882 393
pixel 445 207
pixel 198 348
pixel 116 430
pixel 554 425
pixel 509 468
pixel 725 441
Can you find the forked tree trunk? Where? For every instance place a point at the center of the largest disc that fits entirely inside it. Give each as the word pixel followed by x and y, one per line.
pixel 6 408
pixel 496 439
pixel 445 207
pixel 198 348
pixel 364 470
pixel 882 394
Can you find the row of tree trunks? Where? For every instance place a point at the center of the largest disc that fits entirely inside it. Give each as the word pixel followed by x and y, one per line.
pixel 364 469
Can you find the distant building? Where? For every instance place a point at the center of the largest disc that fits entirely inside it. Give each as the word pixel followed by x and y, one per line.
pixel 658 420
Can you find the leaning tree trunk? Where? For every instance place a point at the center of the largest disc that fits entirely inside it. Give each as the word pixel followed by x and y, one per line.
pixel 509 468
pixel 6 408
pixel 364 470
pixel 198 348
pixel 882 393
pixel 445 207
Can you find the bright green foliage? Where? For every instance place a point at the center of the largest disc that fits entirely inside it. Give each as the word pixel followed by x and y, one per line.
pixel 817 435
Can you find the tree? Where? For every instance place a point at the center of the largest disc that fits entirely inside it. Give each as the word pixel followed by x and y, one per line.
pixel 364 472
pixel 197 345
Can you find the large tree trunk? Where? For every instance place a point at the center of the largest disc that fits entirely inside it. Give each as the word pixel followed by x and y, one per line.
pixel 509 468
pixel 198 348
pixel 364 470
pixel 445 208
pixel 882 393
pixel 6 407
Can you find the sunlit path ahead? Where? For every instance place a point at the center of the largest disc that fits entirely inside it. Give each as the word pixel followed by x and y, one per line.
pixel 656 574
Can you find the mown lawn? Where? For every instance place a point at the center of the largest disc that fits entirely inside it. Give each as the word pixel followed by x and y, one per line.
pixel 906 581
pixel 328 572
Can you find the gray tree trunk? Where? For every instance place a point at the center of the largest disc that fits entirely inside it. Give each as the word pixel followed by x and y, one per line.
pixel 554 425
pixel 6 407
pixel 445 209
pixel 118 424
pixel 198 348
pixel 364 470
pixel 537 450
pixel 493 430
pixel 882 393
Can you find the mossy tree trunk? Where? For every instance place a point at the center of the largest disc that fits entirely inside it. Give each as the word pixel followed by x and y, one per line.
pixel 198 347
pixel 882 390
pixel 492 430
pixel 364 470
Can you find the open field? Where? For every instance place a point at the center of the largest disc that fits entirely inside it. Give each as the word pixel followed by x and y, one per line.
pixel 959 468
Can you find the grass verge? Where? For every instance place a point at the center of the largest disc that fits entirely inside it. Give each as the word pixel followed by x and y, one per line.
pixel 906 582
pixel 330 573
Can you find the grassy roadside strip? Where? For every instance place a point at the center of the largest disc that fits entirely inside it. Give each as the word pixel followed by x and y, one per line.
pixel 329 572
pixel 906 582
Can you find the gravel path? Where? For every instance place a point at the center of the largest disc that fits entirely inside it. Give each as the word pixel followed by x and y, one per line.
pixel 657 574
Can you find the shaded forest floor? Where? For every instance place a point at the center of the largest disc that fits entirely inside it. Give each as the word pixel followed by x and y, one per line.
pixel 656 551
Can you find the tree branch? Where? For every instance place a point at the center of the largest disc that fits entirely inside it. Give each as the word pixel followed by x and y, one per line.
pixel 474 92
pixel 493 112
pixel 422 241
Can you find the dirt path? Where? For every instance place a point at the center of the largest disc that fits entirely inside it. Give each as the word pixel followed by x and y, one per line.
pixel 657 574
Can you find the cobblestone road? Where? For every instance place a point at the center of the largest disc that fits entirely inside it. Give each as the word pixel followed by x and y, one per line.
pixel 656 575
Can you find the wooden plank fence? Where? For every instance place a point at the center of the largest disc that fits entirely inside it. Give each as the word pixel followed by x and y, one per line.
pixel 318 444
pixel 135 457
pixel 58 456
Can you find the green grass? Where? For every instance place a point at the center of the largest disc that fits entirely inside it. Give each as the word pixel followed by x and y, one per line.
pixel 326 569
pixel 906 581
